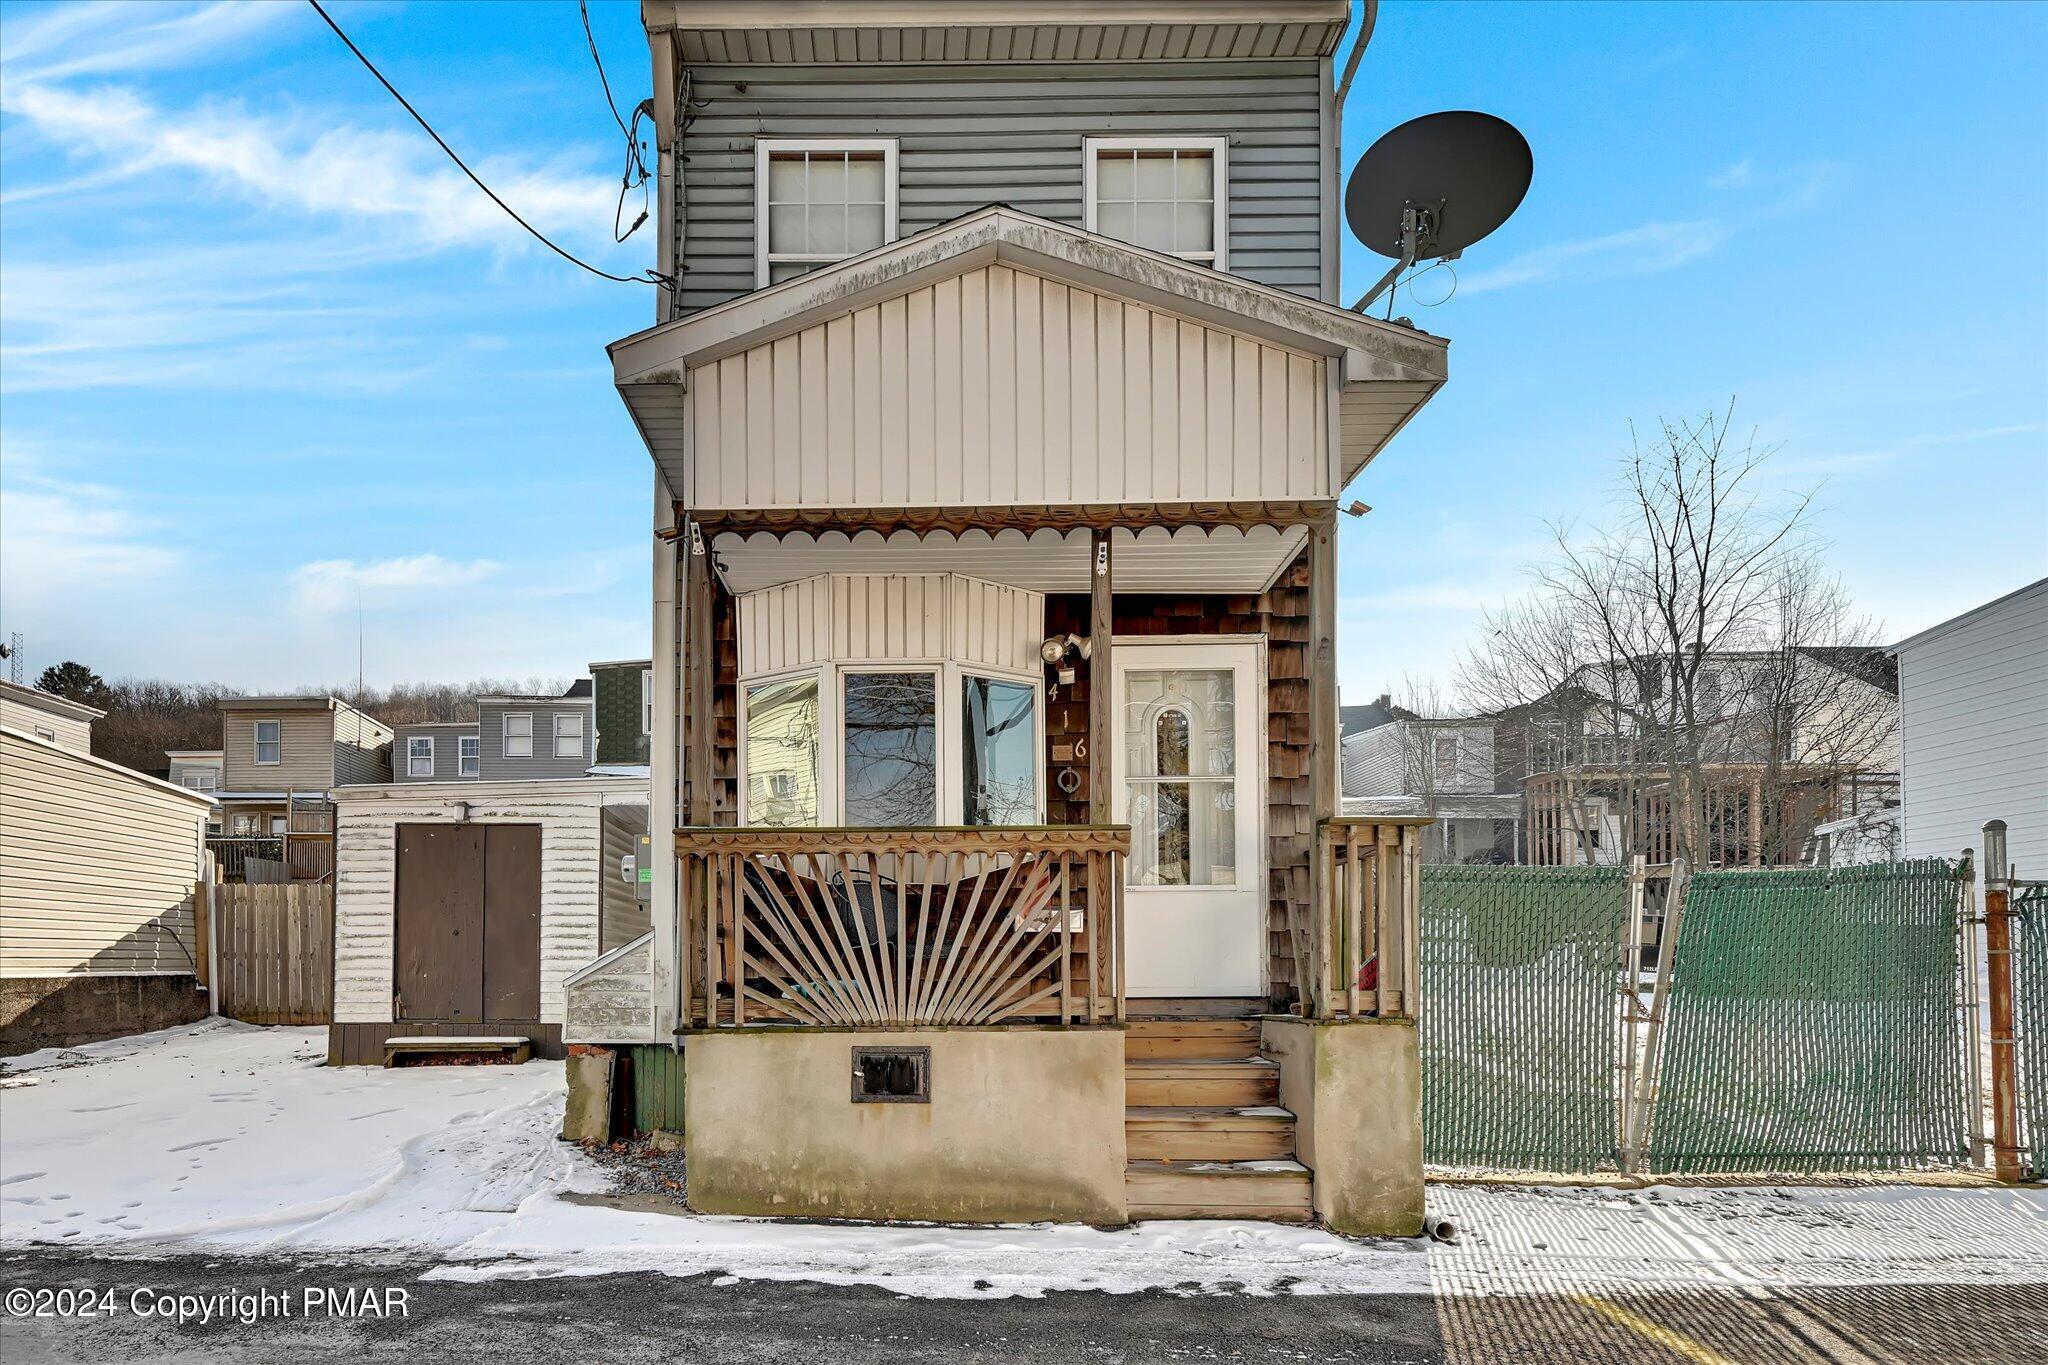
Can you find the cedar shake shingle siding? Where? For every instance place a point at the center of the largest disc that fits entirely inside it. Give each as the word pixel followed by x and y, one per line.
pixel 973 135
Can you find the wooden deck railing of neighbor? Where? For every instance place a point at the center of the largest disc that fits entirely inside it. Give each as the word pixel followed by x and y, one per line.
pixel 900 928
pixel 1367 905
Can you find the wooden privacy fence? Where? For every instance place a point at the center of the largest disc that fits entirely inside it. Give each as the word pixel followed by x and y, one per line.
pixel 275 949
pixel 1367 879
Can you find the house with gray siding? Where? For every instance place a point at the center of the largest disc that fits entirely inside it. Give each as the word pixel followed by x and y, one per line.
pixel 436 751
pixel 1973 702
pixel 527 737
pixel 1000 409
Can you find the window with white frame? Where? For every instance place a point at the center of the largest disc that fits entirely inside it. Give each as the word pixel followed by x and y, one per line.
pixel 568 734
pixel 466 752
pixel 909 744
pixel 518 731
pixel 419 756
pixel 46 736
pixel 1170 194
pixel 201 780
pixel 820 200
pixel 646 701
pixel 269 742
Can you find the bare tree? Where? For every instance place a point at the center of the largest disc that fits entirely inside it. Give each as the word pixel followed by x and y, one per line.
pixel 1692 656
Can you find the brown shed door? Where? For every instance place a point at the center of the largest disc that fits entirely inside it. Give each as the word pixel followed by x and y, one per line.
pixel 468 923
pixel 511 877
pixel 440 930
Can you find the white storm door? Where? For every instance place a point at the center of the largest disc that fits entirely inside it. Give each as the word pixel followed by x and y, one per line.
pixel 1187 767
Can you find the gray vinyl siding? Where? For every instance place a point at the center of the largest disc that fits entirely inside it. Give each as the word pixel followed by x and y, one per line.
pixel 447 753
pixel 975 135
pixel 1973 696
pixel 491 730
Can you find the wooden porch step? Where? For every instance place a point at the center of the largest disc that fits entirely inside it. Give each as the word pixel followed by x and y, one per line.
pixel 1199 1039
pixel 1276 1191
pixel 1187 1133
pixel 1203 1084
pixel 494 1047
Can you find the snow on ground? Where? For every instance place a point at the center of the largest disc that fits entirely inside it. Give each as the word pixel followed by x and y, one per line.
pixel 236 1138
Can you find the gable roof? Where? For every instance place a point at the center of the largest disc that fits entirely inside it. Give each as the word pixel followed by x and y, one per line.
pixel 1387 370
pixel 49 702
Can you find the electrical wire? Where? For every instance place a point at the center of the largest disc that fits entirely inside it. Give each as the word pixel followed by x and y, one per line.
pixel 650 277
pixel 590 38
pixel 635 174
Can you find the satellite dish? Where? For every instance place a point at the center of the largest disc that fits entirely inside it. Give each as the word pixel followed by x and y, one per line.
pixel 1434 186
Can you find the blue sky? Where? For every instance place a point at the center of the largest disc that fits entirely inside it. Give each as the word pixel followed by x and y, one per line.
pixel 263 353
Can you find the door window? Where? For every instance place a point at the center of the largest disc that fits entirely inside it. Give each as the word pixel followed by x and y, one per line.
pixel 1180 764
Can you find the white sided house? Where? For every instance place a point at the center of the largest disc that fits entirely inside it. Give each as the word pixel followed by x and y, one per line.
pixel 1973 700
pixel 999 419
pixel 98 870
pixel 461 907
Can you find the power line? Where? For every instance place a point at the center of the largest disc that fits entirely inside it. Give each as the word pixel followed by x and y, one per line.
pixel 635 175
pixel 651 277
pixel 589 37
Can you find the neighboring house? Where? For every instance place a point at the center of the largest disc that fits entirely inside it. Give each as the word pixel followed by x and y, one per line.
pixel 1444 769
pixel 625 710
pixel 1974 696
pixel 537 737
pixel 45 716
pixel 437 751
pixel 1352 720
pixel 1000 416
pixel 98 866
pixel 198 770
pixel 280 749
pixel 1784 742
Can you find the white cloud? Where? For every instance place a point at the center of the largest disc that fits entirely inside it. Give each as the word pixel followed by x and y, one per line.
pixel 99 38
pixel 1733 177
pixel 61 537
pixel 332 585
pixel 1643 250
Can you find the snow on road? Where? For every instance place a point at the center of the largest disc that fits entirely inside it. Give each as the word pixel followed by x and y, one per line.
pixel 235 1138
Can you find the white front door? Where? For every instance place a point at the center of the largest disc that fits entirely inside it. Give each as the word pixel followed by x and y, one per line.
pixel 1191 723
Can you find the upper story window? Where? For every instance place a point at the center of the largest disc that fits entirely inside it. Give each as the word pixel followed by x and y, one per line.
pixel 1446 747
pixel 646 701
pixel 419 756
pixel 269 741
pixel 1169 194
pixel 519 734
pixel 467 748
pixel 199 780
pixel 820 200
pixel 569 734
pixel 47 736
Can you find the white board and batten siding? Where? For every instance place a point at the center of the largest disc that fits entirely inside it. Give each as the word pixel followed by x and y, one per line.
pixel 611 1000
pixel 97 865
pixel 1973 699
pixel 852 617
pixel 998 386
pixel 569 813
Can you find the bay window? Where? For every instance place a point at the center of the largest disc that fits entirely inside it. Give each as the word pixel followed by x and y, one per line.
pixel 896 745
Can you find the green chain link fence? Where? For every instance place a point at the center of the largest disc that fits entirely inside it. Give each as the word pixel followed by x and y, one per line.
pixel 1814 1022
pixel 2030 1022
pixel 1519 1015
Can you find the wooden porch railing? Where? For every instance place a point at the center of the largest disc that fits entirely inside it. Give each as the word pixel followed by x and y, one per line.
pixel 1367 906
pixel 903 927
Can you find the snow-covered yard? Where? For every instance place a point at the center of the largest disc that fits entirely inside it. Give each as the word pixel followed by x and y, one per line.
pixel 235 1138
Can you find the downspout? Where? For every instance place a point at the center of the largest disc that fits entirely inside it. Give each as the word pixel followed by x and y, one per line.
pixel 1333 188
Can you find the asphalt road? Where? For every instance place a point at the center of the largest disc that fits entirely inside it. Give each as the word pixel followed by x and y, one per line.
pixel 625 1318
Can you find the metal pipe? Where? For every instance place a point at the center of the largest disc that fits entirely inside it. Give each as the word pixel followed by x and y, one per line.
pixel 2005 1118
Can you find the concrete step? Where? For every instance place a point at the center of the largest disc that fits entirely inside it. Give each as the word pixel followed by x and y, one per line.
pixel 1188 1133
pixel 1203 1084
pixel 1276 1191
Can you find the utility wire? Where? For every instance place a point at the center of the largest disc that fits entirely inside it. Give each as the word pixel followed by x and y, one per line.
pixel 589 37
pixel 651 277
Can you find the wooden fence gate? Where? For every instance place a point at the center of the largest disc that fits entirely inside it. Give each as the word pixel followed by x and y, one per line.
pixel 276 952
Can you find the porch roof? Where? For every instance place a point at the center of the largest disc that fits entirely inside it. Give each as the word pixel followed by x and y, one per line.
pixel 1385 371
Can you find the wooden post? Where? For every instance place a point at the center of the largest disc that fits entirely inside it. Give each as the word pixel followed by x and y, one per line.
pixel 698 668
pixel 1323 753
pixel 1631 971
pixel 1101 678
pixel 2005 1114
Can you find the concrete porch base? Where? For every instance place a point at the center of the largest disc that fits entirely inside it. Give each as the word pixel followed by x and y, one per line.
pixel 1356 1092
